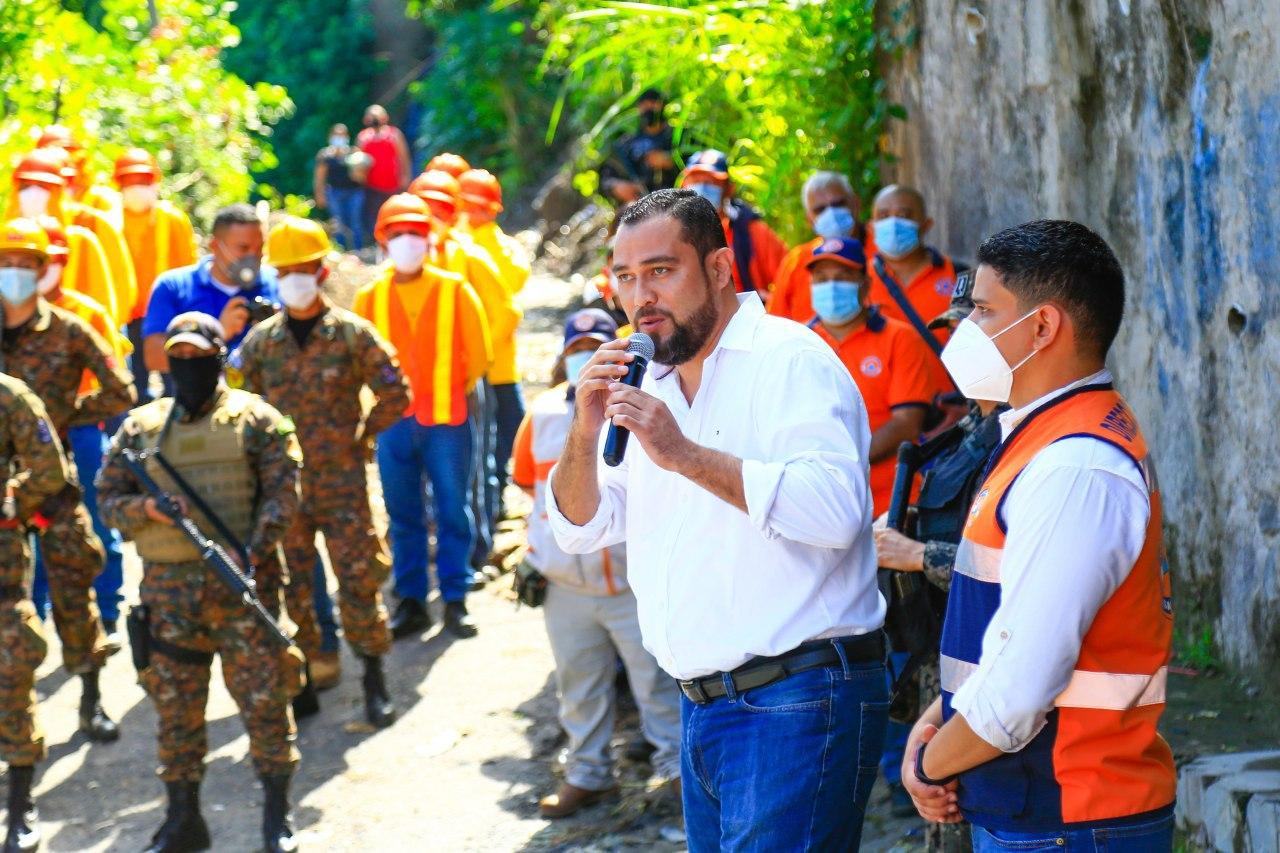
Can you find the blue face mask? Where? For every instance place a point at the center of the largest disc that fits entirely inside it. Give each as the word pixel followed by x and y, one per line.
pixel 896 237
pixel 711 192
pixel 836 302
pixel 17 285
pixel 833 223
pixel 573 364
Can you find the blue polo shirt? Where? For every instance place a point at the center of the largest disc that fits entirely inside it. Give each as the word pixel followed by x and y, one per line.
pixel 192 289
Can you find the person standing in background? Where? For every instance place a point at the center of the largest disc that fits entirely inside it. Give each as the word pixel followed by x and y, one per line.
pixel 392 164
pixel 337 189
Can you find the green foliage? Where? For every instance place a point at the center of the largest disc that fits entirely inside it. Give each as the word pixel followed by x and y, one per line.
pixel 484 96
pixel 162 88
pixel 1197 650
pixel 319 51
pixel 784 86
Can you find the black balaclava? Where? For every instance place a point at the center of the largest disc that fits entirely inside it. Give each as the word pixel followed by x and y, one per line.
pixel 195 380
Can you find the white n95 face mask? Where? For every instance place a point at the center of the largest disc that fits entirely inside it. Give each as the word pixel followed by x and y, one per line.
pixel 298 290
pixel 33 201
pixel 975 363
pixel 140 198
pixel 407 252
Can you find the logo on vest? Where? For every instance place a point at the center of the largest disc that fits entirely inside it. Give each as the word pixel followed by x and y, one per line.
pixel 1121 421
pixel 871 366
pixel 977 503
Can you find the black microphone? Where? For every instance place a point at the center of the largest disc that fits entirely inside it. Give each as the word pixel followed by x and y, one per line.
pixel 615 443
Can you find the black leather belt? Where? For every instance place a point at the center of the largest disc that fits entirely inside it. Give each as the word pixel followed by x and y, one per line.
pixel 759 672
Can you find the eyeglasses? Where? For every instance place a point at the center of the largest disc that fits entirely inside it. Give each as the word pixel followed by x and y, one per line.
pixel 817 211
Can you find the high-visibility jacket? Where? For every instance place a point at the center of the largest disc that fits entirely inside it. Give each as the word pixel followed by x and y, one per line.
pixel 1099 756
pixel 539 443
pixel 159 240
pixel 507 253
pixel 105 198
pixel 444 352
pixel 459 254
pixel 87 271
pixel 757 251
pixel 93 313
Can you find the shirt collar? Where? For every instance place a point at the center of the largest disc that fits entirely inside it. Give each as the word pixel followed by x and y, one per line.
pixel 740 333
pixel 1009 420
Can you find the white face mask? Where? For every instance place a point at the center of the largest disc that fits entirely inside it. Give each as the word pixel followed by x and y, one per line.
pixel 140 198
pixel 407 252
pixel 33 201
pixel 975 363
pixel 50 280
pixel 298 290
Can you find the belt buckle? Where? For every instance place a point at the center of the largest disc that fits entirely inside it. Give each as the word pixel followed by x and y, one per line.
pixel 694 690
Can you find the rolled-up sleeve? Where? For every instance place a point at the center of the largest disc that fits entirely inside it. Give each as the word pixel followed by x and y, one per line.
pixel 607 527
pixel 813 487
pixel 1077 520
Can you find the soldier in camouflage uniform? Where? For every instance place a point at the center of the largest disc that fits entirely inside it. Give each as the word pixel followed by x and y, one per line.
pixel 50 350
pixel 311 361
pixel 35 469
pixel 242 458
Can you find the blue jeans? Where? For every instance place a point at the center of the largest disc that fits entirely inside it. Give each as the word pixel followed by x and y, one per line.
pixel 895 737
pixel 410 454
pixel 787 766
pixel 347 205
pixel 1146 834
pixel 325 620
pixel 87 444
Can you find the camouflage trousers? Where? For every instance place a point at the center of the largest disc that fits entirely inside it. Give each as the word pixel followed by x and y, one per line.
pixel 192 609
pixel 940 837
pixel 22 648
pixel 360 562
pixel 73 557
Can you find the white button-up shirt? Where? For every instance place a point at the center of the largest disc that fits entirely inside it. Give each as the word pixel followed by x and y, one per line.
pixel 1077 520
pixel 717 586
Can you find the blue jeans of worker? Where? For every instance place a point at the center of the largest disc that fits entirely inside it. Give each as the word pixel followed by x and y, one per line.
pixel 347 206
pixel 410 455
pixel 510 412
pixel 326 621
pixel 88 443
pixel 1146 834
pixel 787 766
pixel 895 736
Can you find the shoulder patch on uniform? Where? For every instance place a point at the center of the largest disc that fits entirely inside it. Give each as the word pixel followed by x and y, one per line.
pixel 234 376
pixel 390 375
pixel 43 432
pixel 285 426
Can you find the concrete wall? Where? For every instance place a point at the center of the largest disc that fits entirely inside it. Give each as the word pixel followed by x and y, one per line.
pixel 1157 123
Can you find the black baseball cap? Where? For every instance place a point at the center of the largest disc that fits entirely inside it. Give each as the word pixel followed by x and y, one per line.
pixel 961 302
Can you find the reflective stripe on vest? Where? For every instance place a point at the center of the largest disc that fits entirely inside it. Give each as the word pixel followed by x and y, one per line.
pixel 446 310
pixel 162 240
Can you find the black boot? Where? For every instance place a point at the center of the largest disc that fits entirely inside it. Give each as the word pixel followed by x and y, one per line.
pixel 24 831
pixel 411 617
pixel 378 709
pixel 306 703
pixel 458 620
pixel 276 831
pixel 94 721
pixel 184 828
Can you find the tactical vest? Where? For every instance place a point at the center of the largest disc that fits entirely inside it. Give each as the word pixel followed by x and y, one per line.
pixel 950 482
pixel 1098 757
pixel 210 455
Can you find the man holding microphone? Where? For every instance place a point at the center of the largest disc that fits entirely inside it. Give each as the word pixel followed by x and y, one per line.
pixel 744 503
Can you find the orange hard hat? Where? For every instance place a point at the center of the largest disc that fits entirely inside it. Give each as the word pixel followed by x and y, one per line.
pixel 481 188
pixel 451 163
pixel 136 161
pixel 436 185
pixel 402 207
pixel 58 136
pixel 43 166
pixel 57 236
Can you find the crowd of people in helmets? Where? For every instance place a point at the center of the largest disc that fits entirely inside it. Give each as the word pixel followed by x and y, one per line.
pixel 420 374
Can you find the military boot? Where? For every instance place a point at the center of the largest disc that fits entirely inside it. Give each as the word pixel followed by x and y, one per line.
pixel 277 834
pixel 94 721
pixel 306 703
pixel 184 828
pixel 24 831
pixel 378 709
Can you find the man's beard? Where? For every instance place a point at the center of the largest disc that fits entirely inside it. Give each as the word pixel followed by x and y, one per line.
pixel 688 337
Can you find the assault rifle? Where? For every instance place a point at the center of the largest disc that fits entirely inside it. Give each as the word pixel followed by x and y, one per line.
pixel 213 554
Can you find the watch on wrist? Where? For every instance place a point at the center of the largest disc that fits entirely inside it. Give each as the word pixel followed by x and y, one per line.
pixel 920 771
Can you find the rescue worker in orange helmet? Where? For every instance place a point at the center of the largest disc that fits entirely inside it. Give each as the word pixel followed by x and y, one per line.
pixel 454 164
pixel 436 323
pixel 1059 625
pixel 831 208
pixel 86 442
pixel 757 251
pixel 82 185
pixel 40 186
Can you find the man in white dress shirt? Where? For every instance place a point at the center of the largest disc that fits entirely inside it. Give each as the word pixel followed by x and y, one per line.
pixel 744 503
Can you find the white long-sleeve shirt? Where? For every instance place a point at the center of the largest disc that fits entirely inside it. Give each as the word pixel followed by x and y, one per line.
pixel 717 586
pixel 1077 520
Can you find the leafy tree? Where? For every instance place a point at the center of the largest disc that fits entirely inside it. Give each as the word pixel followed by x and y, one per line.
pixel 319 51
pixel 162 88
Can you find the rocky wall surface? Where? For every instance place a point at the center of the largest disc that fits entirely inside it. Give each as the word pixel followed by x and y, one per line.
pixel 1157 123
